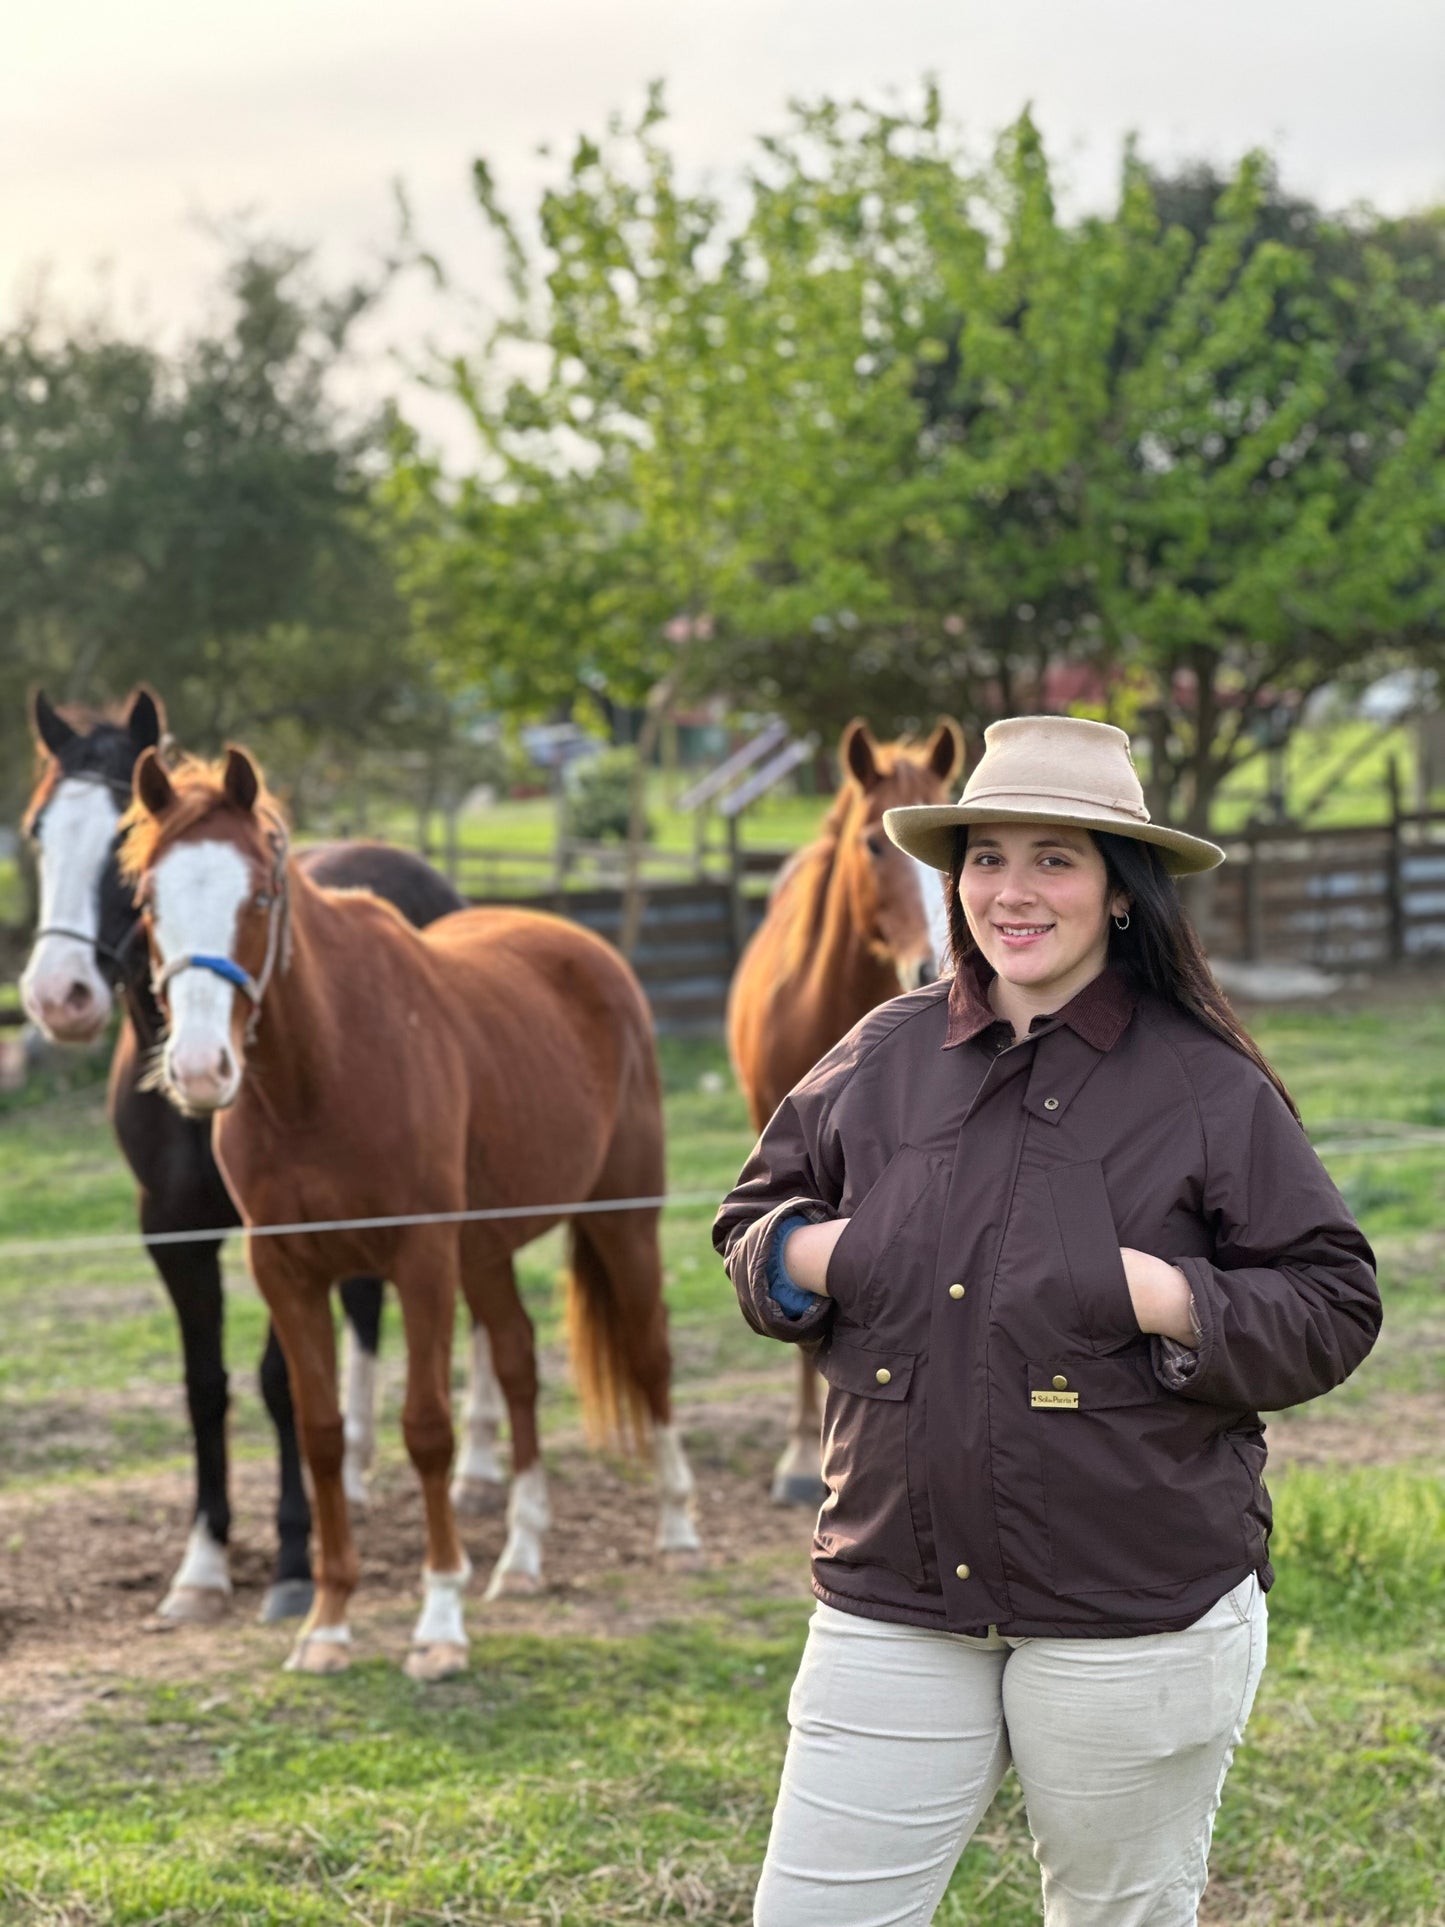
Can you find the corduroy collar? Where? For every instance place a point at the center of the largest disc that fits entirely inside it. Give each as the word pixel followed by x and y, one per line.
pixel 1098 1013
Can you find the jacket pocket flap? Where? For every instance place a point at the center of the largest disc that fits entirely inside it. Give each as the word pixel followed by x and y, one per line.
pixel 868 1374
pixel 1091 1384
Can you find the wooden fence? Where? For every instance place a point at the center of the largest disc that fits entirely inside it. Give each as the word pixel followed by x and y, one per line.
pixel 1341 899
pixel 1356 899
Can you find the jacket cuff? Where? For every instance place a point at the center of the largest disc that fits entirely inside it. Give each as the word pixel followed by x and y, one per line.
pixel 751 1268
pixel 782 1286
pixel 1176 1367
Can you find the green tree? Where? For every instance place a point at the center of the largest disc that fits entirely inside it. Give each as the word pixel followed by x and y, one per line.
pixel 894 435
pixel 205 521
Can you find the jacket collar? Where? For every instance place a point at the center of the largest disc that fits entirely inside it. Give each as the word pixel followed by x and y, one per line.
pixel 1098 1013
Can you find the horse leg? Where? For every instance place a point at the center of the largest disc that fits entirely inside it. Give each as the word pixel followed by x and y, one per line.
pixel 300 1307
pixel 615 1258
pixel 290 1594
pixel 480 1483
pixel 426 1284
pixel 491 1290
pixel 200 1592
pixel 798 1476
pixel 361 1338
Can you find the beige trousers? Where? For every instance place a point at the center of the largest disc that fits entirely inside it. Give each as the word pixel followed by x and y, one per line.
pixel 901 1736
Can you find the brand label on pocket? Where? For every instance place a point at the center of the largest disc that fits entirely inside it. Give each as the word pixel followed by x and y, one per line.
pixel 1058 1401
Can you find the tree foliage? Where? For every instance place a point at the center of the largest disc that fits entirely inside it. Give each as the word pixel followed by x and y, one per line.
pixel 906 437
pixel 204 521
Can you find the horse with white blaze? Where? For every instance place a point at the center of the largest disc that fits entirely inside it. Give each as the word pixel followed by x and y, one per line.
pixel 360 1069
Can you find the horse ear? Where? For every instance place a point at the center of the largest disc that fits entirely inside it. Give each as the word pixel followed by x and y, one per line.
pixel 855 753
pixel 145 720
pixel 945 749
pixel 153 789
pixel 51 728
pixel 241 783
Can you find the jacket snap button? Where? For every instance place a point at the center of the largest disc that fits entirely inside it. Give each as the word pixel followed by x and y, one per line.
pixel 883 1374
pixel 955 1291
pixel 962 1571
pixel 1061 1384
pixel 1051 1103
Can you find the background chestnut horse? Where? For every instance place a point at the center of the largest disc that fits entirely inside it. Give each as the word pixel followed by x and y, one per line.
pixel 362 1069
pixel 89 953
pixel 851 921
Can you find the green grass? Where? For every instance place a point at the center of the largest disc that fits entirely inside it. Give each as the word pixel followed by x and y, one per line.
pixel 593 1780
pixel 584 1780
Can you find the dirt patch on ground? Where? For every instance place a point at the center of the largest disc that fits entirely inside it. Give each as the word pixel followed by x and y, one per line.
pixel 82 1567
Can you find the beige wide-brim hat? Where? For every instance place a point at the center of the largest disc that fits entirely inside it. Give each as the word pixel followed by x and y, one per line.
pixel 1049 769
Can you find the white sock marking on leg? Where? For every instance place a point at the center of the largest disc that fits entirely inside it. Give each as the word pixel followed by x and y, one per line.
pixel 440 1623
pixel 480 1463
pixel 528 1517
pixel 676 1530
pixel 359 1370
pixel 204 1566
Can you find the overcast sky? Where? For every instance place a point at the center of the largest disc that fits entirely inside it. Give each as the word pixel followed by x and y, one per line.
pixel 120 125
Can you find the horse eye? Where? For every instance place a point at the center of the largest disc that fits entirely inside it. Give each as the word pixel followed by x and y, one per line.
pixel 876 844
pixel 261 900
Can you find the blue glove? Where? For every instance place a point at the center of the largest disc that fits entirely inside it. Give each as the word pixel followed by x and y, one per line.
pixel 781 1288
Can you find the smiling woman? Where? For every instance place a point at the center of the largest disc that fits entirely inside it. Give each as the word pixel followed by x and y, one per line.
pixel 1057 1236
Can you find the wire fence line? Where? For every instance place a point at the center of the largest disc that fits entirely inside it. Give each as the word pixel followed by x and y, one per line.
pixel 120 1240
pixel 1384 1134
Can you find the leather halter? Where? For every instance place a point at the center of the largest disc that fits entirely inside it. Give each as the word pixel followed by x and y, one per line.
pixel 278 944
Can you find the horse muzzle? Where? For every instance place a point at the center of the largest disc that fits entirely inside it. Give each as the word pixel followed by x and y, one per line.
pixel 201 1077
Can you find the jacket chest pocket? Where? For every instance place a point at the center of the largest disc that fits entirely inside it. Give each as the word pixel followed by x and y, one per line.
pixel 1141 1489
pixel 872 1447
pixel 887 1232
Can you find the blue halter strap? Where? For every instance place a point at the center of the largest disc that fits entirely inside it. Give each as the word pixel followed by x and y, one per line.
pixel 218 967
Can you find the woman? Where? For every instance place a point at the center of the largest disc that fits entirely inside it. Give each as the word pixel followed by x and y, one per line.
pixel 1058 1236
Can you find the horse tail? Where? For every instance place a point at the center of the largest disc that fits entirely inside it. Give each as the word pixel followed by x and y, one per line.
pixel 604 1350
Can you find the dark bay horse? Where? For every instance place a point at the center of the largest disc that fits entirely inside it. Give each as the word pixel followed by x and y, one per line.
pixel 90 952
pixel 851 921
pixel 361 1069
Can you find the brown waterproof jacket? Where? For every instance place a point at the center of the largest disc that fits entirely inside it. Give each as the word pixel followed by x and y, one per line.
pixel 1002 1445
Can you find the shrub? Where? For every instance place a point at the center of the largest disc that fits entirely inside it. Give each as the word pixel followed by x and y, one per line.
pixel 599 796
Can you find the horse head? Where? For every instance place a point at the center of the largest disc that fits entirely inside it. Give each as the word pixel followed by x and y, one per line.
pixel 897 903
pixel 87 915
pixel 206 850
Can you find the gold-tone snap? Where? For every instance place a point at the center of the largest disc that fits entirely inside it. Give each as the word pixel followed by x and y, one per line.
pixel 1051 1103
pixel 962 1571
pixel 1061 1384
pixel 883 1375
pixel 955 1291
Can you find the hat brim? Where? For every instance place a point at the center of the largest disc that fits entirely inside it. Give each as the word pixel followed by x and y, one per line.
pixel 926 831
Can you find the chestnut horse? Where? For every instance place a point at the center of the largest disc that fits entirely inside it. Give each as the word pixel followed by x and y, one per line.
pixel 361 1070
pixel 89 953
pixel 851 921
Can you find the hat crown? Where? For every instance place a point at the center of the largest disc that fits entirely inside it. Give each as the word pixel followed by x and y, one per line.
pixel 1034 761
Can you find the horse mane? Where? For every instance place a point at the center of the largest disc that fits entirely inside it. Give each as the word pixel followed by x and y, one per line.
pixel 809 872
pixel 200 792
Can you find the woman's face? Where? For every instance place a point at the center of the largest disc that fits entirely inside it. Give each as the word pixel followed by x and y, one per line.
pixel 1038 902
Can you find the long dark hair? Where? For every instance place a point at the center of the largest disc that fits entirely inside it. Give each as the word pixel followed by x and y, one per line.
pixel 1160 951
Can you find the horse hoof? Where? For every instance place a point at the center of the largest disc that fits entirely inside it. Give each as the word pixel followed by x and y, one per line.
pixel 800 1489
pixel 440 1660
pixel 287 1599
pixel 193 1606
pixel 479 1498
pixel 513 1585
pixel 683 1559
pixel 318 1656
